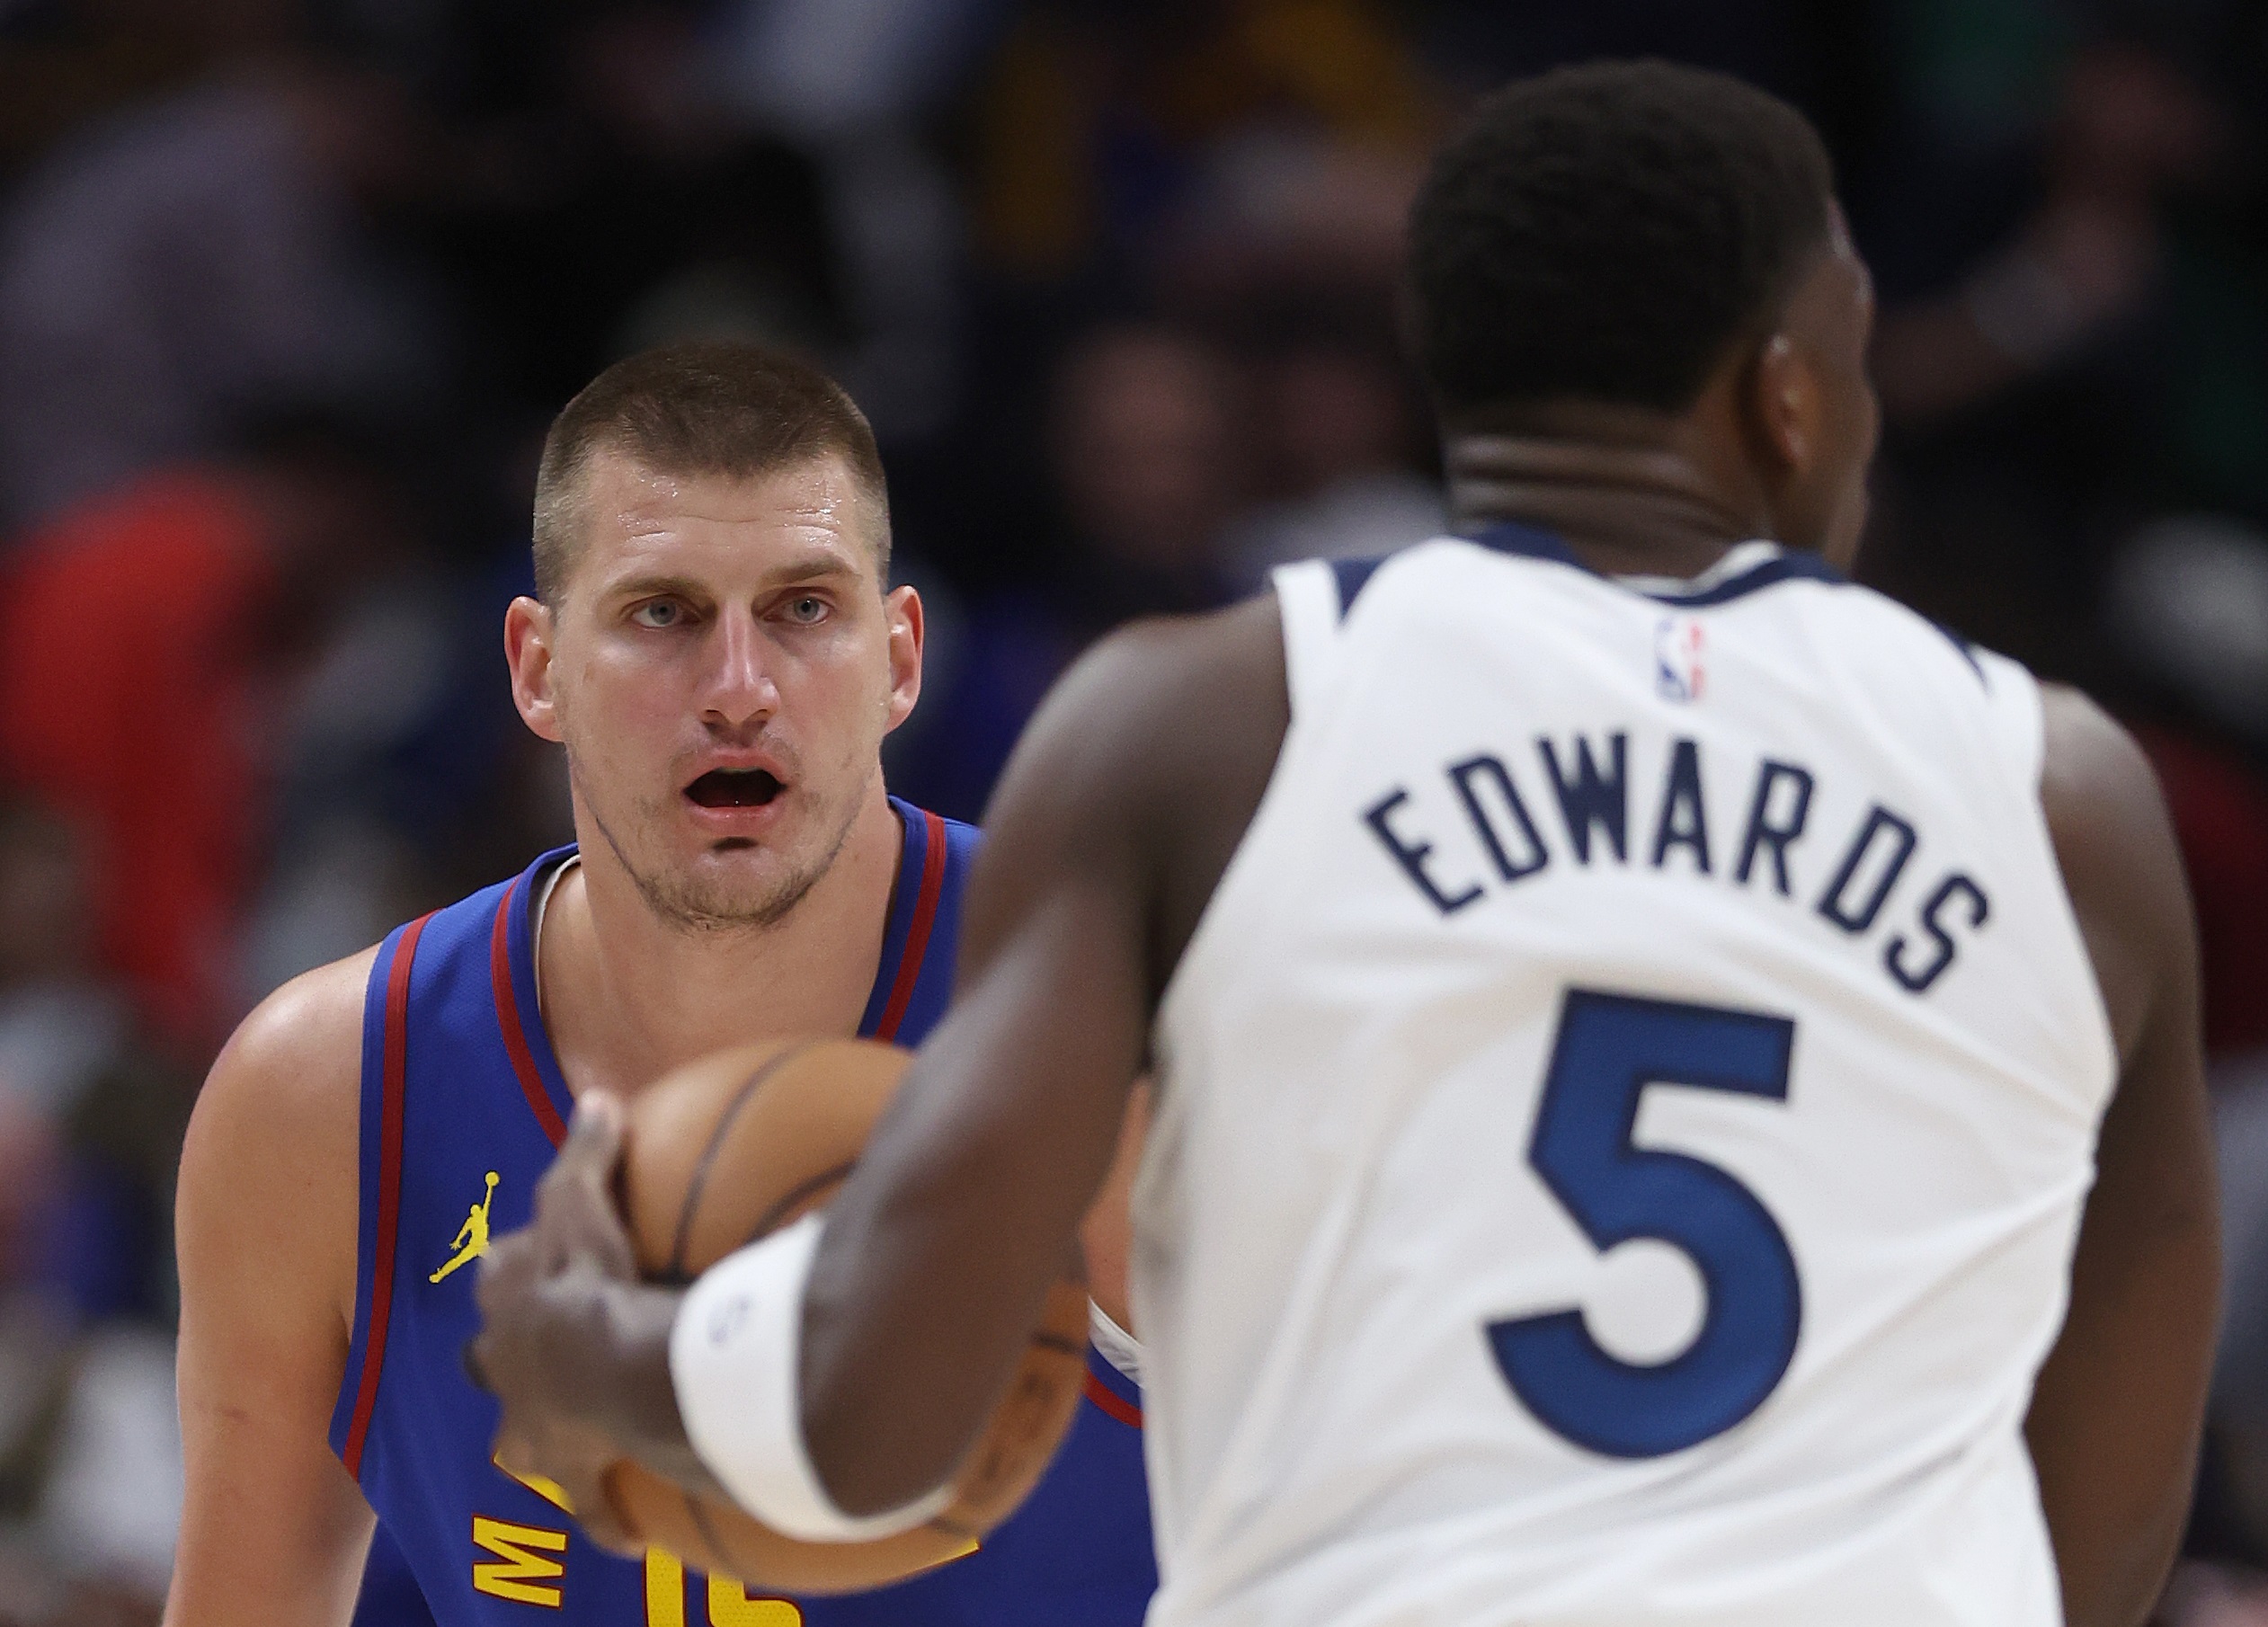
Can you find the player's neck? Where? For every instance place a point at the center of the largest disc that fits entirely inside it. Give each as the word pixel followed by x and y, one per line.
pixel 1626 505
pixel 629 996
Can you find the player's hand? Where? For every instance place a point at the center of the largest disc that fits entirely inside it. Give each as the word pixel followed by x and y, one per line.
pixel 573 1344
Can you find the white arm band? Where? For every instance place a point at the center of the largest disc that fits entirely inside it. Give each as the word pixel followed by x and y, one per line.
pixel 734 1354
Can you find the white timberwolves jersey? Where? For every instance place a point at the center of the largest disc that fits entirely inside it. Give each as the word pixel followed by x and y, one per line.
pixel 1623 1117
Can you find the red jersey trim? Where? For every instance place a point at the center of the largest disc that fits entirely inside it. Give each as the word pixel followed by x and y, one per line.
pixel 524 1060
pixel 916 937
pixel 389 1206
pixel 1113 1405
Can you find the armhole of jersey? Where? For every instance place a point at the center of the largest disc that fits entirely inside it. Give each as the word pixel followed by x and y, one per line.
pixel 2019 723
pixel 379 1183
pixel 2012 703
pixel 1307 594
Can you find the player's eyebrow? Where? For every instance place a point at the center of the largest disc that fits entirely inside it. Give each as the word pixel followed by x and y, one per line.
pixel 815 566
pixel 812 566
pixel 647 584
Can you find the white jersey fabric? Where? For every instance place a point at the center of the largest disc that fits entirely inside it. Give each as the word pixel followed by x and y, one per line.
pixel 1622 1119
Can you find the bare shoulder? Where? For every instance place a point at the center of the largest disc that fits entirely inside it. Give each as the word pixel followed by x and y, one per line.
pixel 1190 685
pixel 2115 843
pixel 272 1146
pixel 1148 760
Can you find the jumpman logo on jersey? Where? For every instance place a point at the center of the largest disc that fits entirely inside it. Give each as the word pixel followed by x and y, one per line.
pixel 471 1240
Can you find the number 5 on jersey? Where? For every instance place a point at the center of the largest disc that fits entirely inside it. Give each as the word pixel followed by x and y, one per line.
pixel 1609 1049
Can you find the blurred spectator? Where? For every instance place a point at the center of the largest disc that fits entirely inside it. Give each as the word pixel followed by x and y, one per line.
pixel 851 82
pixel 65 63
pixel 1151 463
pixel 2128 130
pixel 1096 121
pixel 2072 337
pixel 34 1331
pixel 141 638
pixel 61 1026
pixel 89 1133
pixel 180 267
pixel 1343 436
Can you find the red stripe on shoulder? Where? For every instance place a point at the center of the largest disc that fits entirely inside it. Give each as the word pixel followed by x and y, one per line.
pixel 1116 1406
pixel 395 1063
pixel 916 937
pixel 523 1061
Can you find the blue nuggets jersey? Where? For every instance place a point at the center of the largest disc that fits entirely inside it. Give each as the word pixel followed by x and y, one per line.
pixel 462 1104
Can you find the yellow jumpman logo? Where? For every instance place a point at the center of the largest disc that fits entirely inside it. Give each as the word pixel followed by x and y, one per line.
pixel 471 1240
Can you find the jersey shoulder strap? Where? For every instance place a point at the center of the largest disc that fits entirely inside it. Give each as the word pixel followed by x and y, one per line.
pixel 1315 597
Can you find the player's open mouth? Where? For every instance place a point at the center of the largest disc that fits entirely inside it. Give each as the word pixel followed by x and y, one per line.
pixel 734 788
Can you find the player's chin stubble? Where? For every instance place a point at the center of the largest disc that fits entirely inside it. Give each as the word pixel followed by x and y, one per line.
pixel 699 904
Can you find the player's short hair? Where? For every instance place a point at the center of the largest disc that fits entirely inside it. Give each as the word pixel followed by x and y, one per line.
pixel 1603 233
pixel 704 407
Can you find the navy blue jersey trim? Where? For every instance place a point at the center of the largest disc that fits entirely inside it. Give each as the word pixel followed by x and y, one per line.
pixel 1794 565
pixel 1967 651
pixel 1353 577
pixel 1529 542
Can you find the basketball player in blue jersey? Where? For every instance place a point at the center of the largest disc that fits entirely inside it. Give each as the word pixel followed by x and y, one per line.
pixel 1679 1093
pixel 715 644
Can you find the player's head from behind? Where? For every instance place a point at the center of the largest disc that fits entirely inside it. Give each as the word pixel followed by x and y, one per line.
pixel 713 637
pixel 1629 251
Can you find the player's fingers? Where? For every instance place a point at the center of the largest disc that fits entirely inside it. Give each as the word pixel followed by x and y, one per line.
pixel 595 1512
pixel 576 1208
pixel 572 1463
pixel 594 1135
pixel 514 1454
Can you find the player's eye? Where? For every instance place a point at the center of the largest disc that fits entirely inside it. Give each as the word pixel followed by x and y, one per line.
pixel 807 608
pixel 658 613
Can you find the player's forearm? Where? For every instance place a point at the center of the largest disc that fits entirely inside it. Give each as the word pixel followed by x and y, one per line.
pixel 261 1547
pixel 936 1260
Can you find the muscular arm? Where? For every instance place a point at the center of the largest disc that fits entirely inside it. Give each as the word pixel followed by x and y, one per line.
pixel 2115 1420
pixel 273 1531
pixel 1114 823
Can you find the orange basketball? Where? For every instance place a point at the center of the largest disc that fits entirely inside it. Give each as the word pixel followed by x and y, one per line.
pixel 731 1147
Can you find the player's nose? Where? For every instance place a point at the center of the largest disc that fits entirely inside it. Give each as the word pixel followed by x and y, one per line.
pixel 738 687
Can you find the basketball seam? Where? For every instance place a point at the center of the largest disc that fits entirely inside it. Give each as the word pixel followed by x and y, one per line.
pixel 795 1195
pixel 691 1203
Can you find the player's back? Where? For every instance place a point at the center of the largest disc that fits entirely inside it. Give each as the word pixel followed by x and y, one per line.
pixel 1623 1116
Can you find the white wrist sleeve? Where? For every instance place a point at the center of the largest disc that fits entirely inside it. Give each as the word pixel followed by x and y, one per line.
pixel 734 1353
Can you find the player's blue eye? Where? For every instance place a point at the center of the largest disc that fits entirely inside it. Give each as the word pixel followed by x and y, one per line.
pixel 807 608
pixel 658 613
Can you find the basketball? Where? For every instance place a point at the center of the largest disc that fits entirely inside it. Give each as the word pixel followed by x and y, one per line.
pixel 732 1147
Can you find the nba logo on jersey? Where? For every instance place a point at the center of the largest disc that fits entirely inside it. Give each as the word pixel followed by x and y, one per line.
pixel 1678 670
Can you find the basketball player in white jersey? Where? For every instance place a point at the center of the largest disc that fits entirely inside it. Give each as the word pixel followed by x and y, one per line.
pixel 1678 1086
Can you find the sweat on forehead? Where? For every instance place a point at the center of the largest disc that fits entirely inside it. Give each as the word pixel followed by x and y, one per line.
pixel 739 412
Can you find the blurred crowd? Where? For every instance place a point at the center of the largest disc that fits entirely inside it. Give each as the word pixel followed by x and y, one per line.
pixel 289 289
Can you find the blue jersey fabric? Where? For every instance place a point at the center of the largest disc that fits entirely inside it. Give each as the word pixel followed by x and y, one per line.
pixel 462 1104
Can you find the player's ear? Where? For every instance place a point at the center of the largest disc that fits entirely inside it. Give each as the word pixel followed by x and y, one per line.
pixel 1784 405
pixel 902 608
pixel 527 632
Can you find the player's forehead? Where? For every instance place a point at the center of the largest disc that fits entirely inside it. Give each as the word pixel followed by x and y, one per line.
pixel 636 518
